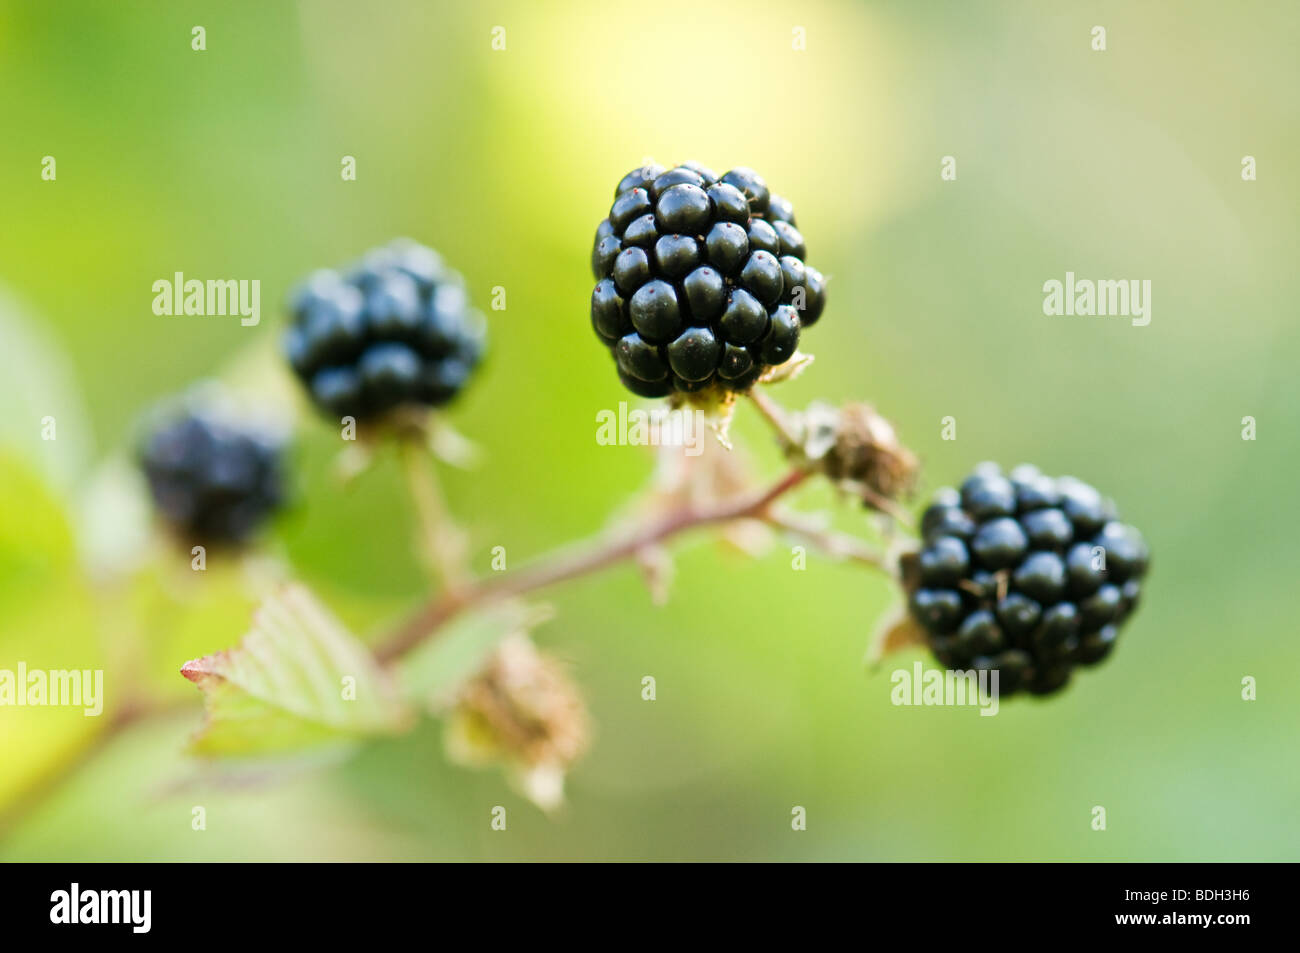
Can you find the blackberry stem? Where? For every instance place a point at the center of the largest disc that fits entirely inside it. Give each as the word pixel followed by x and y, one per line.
pixel 583 558
pixel 442 542
pixel 776 417
pixel 836 545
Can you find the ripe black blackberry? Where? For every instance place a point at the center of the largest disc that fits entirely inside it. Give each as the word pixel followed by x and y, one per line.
pixel 701 280
pixel 1024 574
pixel 395 329
pixel 214 482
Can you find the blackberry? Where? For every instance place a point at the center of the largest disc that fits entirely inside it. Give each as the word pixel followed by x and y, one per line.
pixel 395 329
pixel 213 481
pixel 1025 574
pixel 700 280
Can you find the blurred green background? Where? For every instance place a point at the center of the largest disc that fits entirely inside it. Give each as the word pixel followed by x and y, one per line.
pixel 1117 164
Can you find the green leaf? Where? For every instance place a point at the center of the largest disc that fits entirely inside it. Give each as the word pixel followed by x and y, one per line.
pixel 36 543
pixel 49 621
pixel 298 680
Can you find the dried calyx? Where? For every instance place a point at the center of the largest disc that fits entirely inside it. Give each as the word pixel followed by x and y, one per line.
pixel 859 450
pixel 524 711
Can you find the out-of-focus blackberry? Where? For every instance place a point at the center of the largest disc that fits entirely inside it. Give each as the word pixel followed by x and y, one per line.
pixel 700 280
pixel 214 482
pixel 394 329
pixel 1025 574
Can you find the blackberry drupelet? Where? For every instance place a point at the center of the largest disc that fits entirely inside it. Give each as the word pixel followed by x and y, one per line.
pixel 701 280
pixel 395 329
pixel 1025 574
pixel 213 482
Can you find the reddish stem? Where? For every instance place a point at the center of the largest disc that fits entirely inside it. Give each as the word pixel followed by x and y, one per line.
pixel 577 561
